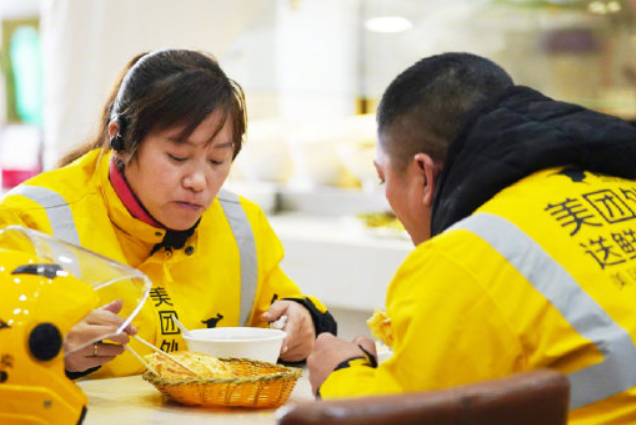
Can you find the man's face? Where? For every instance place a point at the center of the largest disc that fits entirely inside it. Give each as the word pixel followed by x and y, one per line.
pixel 405 190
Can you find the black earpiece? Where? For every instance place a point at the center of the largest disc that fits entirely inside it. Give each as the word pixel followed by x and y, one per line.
pixel 117 143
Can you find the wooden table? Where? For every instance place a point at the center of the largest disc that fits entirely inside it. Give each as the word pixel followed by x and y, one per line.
pixel 131 400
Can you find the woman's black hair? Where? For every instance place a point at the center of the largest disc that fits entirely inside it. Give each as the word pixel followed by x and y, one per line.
pixel 165 89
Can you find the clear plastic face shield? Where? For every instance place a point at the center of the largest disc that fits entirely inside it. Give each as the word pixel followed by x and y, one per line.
pixel 110 280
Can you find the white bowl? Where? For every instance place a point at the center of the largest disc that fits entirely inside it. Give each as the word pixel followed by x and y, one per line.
pixel 253 343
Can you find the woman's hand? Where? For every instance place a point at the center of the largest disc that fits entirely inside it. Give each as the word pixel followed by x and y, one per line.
pixel 329 351
pixel 300 329
pixel 99 322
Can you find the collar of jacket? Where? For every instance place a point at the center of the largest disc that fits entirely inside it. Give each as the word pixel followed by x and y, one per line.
pixel 175 239
pixel 519 133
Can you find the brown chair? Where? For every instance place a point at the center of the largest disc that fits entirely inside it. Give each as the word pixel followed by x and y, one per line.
pixel 532 398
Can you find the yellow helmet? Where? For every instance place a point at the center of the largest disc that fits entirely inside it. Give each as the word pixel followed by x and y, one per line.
pixel 40 302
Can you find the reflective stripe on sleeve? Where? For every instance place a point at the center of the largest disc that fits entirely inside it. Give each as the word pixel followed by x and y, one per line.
pixel 617 372
pixel 61 220
pixel 244 236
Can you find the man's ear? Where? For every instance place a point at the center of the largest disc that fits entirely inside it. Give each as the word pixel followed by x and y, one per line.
pixel 426 166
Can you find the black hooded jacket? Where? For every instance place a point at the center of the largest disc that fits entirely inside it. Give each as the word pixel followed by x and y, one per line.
pixel 519 133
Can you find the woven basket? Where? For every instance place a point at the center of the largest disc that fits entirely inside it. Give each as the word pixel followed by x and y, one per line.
pixel 255 384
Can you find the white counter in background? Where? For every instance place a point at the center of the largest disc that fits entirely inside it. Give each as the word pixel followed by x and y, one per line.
pixel 339 261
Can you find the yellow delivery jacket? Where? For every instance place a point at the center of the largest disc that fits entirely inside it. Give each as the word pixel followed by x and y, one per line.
pixel 541 276
pixel 227 274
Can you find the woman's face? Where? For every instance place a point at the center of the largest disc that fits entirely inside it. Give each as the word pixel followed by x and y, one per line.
pixel 177 180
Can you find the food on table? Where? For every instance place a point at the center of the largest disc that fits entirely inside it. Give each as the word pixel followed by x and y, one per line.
pixel 205 366
pixel 380 325
pixel 246 382
pixel 382 219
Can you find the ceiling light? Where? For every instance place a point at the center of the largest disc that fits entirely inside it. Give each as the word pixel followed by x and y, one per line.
pixel 388 24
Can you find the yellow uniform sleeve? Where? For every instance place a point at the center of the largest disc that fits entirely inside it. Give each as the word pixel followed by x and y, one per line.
pixel 447 329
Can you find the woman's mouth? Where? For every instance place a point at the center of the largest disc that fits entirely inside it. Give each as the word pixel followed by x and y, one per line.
pixel 189 206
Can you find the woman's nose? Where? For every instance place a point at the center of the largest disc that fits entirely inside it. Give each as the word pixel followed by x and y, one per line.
pixel 195 180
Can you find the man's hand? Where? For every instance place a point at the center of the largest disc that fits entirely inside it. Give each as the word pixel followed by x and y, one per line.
pixel 97 323
pixel 301 333
pixel 329 352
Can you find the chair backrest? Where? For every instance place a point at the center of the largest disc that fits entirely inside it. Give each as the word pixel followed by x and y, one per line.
pixel 538 397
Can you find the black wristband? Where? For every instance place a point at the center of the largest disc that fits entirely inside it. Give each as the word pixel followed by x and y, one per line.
pixel 323 322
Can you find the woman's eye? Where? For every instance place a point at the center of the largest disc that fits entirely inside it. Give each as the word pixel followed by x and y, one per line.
pixel 176 158
pixel 217 162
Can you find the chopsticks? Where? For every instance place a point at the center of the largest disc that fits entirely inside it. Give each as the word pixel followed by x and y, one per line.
pixel 134 353
pixel 166 355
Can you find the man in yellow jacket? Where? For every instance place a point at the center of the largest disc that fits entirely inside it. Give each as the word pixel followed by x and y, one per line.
pixel 147 193
pixel 523 213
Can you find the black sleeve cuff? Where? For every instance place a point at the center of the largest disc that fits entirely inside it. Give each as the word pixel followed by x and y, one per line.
pixel 323 322
pixel 346 364
pixel 366 360
pixel 371 359
pixel 77 375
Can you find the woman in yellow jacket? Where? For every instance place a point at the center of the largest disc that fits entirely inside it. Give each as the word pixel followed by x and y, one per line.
pixel 147 192
pixel 523 213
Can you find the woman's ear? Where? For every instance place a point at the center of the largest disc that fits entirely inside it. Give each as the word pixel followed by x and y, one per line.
pixel 426 166
pixel 113 129
pixel 115 139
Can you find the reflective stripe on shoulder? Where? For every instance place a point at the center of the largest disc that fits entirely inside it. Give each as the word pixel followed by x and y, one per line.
pixel 60 218
pixel 617 372
pixel 57 210
pixel 244 236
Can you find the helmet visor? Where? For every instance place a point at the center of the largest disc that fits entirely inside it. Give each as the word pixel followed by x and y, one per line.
pixel 110 280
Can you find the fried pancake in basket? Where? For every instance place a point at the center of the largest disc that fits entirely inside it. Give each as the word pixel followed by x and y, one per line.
pixel 380 325
pixel 205 366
